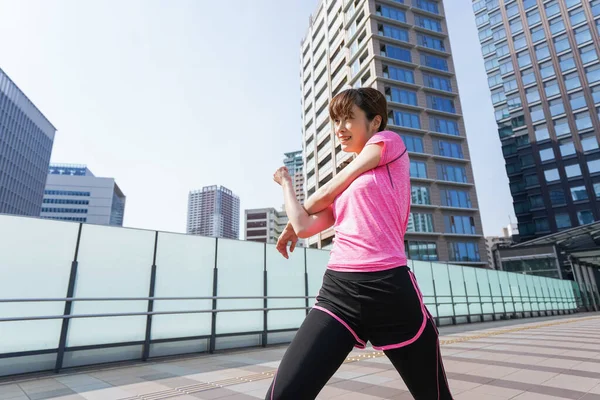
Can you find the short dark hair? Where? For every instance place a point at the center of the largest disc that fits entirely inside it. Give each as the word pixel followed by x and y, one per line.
pixel 370 100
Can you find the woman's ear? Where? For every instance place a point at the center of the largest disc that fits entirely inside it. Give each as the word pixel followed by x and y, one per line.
pixel 376 123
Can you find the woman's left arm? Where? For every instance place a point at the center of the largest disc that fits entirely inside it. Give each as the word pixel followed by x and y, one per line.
pixel 368 159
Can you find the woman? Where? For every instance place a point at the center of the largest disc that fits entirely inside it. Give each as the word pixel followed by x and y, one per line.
pixel 368 292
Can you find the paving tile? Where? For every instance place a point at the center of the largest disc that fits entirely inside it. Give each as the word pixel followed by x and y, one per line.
pixel 50 394
pixel 219 393
pixel 572 382
pixel 530 377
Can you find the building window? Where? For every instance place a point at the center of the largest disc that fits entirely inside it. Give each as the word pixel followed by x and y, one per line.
pixel 516 26
pixel 551 175
pixel 398 53
pixel 455 198
pixel 563 221
pixel 528 77
pixel 542 51
pixel 413 143
pixel 567 149
pixel 589 143
pixel 431 42
pixel 419 222
pixel 424 251
pixel 506 67
pixel 466 252
pixel 573 170
pixel 593 73
pixel 420 195
pixel 588 54
pixel 594 166
pixel 451 173
pixel 398 74
pixel 447 149
pixel 541 132
pixel 435 62
pixel 557 197
pixel 393 32
pixel 442 125
pixel 583 35
pixel 579 193
pixel 551 88
pixel 390 12
pixel 427 5
pixel 459 224
pixel 403 118
pixel 556 107
pixel 441 104
pixel 418 169
pixel 533 17
pixel 583 121
pixel 542 225
pixel 585 217
pixel 566 62
pixel 538 34
pixel 437 82
pixel 536 201
pixel 401 96
pixel 547 154
pixel 557 25
pixel 561 127
pixel 429 23
pixel 537 113
pixel 531 180
pixel 552 8
pixel 547 70
pixel 524 59
pixel 577 101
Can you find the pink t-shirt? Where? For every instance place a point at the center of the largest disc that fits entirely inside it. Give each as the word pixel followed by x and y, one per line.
pixel 371 215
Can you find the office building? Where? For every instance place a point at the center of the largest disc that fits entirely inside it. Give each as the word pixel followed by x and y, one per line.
pixel 74 194
pixel 402 49
pixel 264 224
pixel 26 138
pixel 294 163
pixel 214 211
pixel 541 58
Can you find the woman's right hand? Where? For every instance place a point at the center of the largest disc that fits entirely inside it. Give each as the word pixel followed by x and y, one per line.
pixel 288 235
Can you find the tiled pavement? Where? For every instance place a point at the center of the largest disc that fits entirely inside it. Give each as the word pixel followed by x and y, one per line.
pixel 543 359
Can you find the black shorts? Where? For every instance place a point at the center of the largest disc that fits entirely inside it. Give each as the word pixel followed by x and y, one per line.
pixel 385 308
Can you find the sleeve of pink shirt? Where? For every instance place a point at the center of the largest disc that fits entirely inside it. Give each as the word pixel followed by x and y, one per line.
pixel 393 145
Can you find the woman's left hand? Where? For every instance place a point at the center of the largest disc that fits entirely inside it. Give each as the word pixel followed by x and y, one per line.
pixel 282 175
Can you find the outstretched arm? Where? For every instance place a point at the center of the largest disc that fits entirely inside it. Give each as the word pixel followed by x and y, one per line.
pixel 367 159
pixel 316 215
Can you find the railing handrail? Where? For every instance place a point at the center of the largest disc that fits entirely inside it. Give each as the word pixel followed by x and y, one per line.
pixel 59 299
pixel 146 313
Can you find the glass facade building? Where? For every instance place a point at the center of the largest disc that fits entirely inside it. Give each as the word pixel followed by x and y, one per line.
pixel 295 163
pixel 26 139
pixel 543 70
pixel 402 49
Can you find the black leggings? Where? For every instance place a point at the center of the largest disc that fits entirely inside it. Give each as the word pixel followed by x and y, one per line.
pixel 322 344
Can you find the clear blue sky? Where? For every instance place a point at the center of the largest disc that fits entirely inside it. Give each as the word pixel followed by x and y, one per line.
pixel 169 96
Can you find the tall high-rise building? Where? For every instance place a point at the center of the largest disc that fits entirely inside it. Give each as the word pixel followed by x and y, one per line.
pixel 402 49
pixel 264 224
pixel 294 163
pixel 543 71
pixel 214 211
pixel 26 139
pixel 73 193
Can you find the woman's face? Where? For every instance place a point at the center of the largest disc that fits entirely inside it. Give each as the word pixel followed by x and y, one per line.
pixel 354 130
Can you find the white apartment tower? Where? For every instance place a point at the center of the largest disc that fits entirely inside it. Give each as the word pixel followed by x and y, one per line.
pixel 401 48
